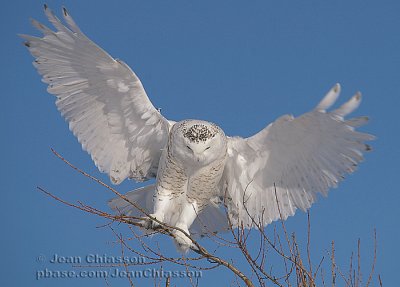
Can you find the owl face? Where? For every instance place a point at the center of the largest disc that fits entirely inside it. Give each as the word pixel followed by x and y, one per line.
pixel 197 142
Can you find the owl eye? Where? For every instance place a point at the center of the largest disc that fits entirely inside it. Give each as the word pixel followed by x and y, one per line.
pixel 207 148
pixel 189 148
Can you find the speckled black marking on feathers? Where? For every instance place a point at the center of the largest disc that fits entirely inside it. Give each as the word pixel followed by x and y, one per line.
pixel 199 132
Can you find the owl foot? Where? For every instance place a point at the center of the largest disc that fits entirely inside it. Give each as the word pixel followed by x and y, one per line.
pixel 151 224
pixel 182 242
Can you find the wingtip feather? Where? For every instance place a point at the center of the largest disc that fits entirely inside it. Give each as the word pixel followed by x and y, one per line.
pixel 336 88
pixel 357 122
pixel 330 98
pixel 349 106
pixel 71 23
pixel 65 11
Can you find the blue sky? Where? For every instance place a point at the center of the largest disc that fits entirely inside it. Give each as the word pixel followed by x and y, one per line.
pixel 240 64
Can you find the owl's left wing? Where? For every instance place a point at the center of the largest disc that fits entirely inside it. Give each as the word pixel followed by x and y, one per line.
pixel 292 160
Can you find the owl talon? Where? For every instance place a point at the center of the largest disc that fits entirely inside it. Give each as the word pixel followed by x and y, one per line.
pixel 151 224
pixel 182 242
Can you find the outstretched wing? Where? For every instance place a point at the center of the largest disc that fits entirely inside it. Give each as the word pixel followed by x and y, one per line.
pixel 102 99
pixel 292 160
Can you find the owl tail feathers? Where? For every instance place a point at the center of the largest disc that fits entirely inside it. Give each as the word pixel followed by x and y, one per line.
pixel 211 220
pixel 142 196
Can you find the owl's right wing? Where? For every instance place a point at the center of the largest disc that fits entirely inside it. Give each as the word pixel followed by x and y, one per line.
pixel 102 99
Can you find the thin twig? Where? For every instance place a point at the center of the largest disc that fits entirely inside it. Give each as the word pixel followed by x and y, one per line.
pixel 373 262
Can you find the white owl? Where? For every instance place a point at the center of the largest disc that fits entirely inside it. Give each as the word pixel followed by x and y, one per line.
pixel 195 165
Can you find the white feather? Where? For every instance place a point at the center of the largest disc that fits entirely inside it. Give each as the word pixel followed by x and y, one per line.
pixel 295 159
pixel 329 99
pixel 102 99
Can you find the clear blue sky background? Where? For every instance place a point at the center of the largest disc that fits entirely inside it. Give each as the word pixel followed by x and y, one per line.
pixel 240 64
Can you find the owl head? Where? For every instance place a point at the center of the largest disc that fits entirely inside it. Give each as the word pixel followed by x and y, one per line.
pixel 196 142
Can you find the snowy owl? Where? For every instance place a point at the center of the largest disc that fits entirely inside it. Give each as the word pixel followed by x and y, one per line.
pixel 198 169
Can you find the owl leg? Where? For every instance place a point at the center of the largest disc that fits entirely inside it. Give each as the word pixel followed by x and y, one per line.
pixel 188 215
pixel 162 200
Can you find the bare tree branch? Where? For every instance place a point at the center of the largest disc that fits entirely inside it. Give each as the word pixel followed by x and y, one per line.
pixel 254 249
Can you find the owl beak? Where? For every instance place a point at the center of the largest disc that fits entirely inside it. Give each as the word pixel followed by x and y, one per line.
pixel 197 157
